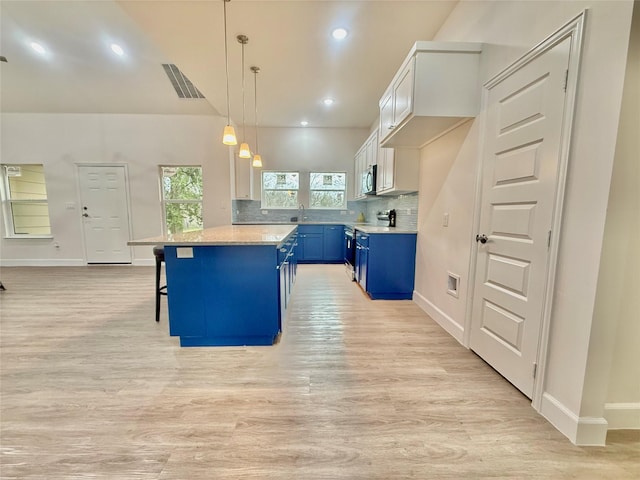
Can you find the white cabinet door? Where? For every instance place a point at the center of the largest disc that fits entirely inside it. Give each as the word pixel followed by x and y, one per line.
pixel 357 173
pixel 372 150
pixel 403 95
pixel 386 114
pixel 387 168
pixel 244 183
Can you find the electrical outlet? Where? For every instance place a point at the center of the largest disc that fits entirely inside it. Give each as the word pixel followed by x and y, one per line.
pixel 265 212
pixel 445 220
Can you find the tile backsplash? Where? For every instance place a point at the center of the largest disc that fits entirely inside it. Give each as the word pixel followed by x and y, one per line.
pixel 406 206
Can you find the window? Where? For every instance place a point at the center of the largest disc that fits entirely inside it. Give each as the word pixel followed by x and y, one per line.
pixel 280 189
pixel 327 190
pixel 24 195
pixel 181 198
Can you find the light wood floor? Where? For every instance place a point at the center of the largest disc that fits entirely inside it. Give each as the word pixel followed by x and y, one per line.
pixel 93 388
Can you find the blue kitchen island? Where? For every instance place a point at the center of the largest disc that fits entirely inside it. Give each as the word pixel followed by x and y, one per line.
pixel 228 285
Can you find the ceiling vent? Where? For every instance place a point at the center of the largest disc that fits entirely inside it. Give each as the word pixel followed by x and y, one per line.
pixel 184 87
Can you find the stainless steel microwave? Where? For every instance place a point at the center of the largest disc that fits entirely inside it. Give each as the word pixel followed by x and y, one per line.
pixel 369 180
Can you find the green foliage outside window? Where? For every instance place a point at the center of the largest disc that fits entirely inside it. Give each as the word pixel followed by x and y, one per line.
pixel 182 195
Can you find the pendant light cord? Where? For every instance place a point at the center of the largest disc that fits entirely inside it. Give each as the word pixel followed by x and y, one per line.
pixel 255 91
pixel 244 135
pixel 226 61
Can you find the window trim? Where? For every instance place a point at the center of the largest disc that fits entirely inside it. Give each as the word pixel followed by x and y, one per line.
pixel 344 191
pixel 164 201
pixel 263 205
pixel 7 204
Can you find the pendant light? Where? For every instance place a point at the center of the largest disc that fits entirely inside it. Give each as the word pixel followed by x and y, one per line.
pixel 257 159
pixel 244 146
pixel 229 135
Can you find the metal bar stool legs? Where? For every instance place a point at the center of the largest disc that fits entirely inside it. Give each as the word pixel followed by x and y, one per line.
pixel 158 252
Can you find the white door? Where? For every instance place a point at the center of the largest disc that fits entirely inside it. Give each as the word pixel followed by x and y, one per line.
pixel 520 176
pixel 105 213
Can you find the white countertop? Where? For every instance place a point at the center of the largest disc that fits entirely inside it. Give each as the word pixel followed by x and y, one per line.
pixel 363 227
pixel 225 235
pixel 376 229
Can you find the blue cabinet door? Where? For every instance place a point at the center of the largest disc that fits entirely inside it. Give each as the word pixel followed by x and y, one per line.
pixel 310 242
pixel 312 246
pixel 333 243
pixel 391 266
pixel 362 258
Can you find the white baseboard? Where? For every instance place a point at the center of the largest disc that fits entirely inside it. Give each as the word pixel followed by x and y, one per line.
pixel 67 262
pixel 445 321
pixel 583 431
pixel 43 262
pixel 622 416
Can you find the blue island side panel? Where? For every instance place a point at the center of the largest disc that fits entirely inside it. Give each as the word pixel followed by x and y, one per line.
pixel 228 297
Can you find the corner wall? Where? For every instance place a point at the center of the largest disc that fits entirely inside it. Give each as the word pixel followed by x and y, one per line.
pixel 508 30
pixel 612 353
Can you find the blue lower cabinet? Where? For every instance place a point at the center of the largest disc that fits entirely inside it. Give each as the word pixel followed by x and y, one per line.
pixel 223 295
pixel 310 240
pixel 333 243
pixel 385 265
pixel 320 243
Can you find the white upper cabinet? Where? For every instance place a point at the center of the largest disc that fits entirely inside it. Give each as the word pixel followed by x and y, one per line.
pixel 398 171
pixel 243 179
pixel 436 88
pixel 367 155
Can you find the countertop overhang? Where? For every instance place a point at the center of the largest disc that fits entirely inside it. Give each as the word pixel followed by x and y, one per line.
pixel 224 235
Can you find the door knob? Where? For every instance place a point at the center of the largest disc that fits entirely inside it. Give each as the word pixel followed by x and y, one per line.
pixel 481 238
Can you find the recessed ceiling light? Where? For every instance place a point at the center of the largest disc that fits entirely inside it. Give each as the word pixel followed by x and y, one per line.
pixel 304 123
pixel 328 101
pixel 339 33
pixel 38 48
pixel 117 49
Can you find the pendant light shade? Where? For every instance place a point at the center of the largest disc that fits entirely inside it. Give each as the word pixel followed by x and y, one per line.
pixel 229 135
pixel 244 152
pixel 257 158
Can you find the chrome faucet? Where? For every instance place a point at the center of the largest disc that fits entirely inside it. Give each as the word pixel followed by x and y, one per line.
pixel 301 208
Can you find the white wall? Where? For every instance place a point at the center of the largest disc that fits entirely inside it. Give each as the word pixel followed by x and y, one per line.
pixel 142 142
pixel 308 149
pixel 618 296
pixel 509 29
pixel 447 179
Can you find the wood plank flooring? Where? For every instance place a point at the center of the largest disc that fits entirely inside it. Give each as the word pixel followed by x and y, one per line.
pixel 92 387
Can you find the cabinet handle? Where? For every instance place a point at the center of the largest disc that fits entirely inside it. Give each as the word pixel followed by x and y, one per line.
pixel 391 127
pixel 283 250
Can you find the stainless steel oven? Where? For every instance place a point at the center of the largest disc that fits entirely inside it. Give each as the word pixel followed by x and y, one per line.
pixel 349 251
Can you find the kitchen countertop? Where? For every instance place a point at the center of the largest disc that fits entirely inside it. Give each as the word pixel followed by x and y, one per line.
pixel 376 229
pixel 224 235
pixel 363 227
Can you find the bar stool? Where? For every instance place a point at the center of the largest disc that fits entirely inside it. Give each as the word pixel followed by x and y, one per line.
pixel 158 252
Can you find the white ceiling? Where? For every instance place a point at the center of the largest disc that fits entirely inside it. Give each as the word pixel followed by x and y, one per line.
pixel 289 40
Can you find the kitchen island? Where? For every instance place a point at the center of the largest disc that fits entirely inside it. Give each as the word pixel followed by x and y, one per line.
pixel 228 285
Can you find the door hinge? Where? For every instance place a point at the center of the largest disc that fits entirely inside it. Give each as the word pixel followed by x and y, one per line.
pixel 535 369
pixel 549 239
pixel 566 79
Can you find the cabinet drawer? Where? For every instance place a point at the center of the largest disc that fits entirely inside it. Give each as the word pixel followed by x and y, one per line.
pixel 303 229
